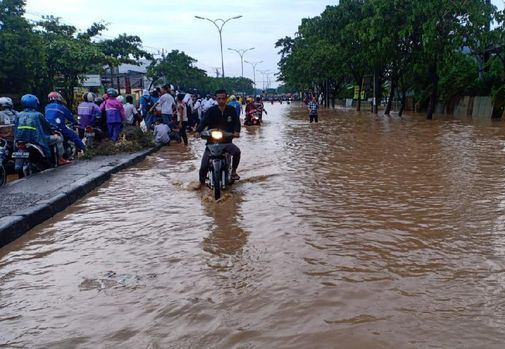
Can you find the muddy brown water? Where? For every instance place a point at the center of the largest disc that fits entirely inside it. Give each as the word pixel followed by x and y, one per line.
pixel 359 232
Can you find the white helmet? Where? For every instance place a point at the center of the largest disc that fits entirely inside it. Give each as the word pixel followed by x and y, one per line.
pixel 6 102
pixel 89 97
pixel 121 99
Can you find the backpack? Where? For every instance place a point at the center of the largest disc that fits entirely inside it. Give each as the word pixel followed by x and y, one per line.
pixel 149 104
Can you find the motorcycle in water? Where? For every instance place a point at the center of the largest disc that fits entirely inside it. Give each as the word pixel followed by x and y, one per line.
pixel 252 119
pixel 219 173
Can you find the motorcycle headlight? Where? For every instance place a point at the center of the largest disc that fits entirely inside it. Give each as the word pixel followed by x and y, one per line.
pixel 217 135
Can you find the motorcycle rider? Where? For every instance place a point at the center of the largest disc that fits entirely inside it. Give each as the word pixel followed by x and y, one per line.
pixel 114 113
pixel 56 113
pixel 225 118
pixel 8 115
pixel 260 107
pixel 32 127
pixel 88 113
pixel 250 110
pixel 235 104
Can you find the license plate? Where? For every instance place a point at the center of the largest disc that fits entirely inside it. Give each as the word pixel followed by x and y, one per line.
pixel 20 155
pixel 89 134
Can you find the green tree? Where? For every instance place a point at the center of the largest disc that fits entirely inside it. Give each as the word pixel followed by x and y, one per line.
pixel 22 55
pixel 68 56
pixel 125 49
pixel 177 68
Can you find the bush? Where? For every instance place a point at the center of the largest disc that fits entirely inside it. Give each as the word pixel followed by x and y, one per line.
pixel 131 139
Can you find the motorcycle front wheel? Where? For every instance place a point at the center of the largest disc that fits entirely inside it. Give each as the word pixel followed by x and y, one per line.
pixel 216 179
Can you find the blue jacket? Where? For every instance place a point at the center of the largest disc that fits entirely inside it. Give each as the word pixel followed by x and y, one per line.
pixel 32 127
pixel 237 107
pixel 57 113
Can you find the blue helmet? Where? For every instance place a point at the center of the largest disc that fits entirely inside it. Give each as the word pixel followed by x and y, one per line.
pixel 112 92
pixel 30 102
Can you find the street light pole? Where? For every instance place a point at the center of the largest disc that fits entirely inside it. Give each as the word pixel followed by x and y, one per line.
pixel 264 73
pixel 220 30
pixel 254 64
pixel 241 54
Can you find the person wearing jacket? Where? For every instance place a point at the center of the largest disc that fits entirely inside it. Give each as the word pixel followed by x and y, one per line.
pixel 8 115
pixel 88 113
pixel 235 104
pixel 57 113
pixel 115 114
pixel 32 127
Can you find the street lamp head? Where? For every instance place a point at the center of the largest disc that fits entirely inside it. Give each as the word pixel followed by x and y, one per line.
pixel 199 17
pixel 237 17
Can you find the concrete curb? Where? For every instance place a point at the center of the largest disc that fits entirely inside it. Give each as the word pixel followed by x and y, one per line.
pixel 19 222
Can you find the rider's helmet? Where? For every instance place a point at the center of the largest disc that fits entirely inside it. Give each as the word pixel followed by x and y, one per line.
pixel 233 98
pixel 121 99
pixel 89 97
pixel 30 102
pixel 55 96
pixel 98 100
pixel 112 92
pixel 6 102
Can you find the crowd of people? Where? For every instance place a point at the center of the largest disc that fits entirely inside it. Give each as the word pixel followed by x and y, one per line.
pixel 164 111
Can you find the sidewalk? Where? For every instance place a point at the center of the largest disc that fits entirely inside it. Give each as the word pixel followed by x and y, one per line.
pixel 30 201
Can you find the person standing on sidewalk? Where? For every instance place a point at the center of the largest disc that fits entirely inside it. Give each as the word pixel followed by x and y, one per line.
pixel 114 112
pixel 167 104
pixel 313 107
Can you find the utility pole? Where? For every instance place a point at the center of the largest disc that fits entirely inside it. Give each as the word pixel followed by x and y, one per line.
pixel 241 54
pixel 220 30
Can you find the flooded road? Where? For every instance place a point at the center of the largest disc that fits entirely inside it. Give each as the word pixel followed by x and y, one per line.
pixel 358 232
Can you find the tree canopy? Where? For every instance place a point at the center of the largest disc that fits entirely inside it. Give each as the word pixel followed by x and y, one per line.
pixel 438 49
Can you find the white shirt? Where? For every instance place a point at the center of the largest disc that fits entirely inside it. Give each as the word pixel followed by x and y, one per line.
pixel 161 132
pixel 129 112
pixel 166 102
pixel 197 107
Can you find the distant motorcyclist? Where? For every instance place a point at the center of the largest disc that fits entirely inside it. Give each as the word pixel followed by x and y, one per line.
pixel 260 107
pixel 88 113
pixel 114 113
pixel 32 127
pixel 250 110
pixel 57 113
pixel 225 118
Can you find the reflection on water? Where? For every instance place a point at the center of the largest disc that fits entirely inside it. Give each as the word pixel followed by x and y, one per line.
pixel 358 232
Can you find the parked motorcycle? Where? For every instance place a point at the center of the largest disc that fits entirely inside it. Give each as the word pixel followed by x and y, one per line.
pixel 219 175
pixel 92 135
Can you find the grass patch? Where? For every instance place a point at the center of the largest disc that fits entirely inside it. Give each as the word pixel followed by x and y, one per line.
pixel 131 139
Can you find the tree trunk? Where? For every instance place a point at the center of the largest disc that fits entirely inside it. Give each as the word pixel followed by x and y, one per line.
pixel 434 92
pixel 391 95
pixel 404 100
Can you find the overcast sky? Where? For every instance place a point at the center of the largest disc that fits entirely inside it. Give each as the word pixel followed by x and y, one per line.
pixel 172 25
